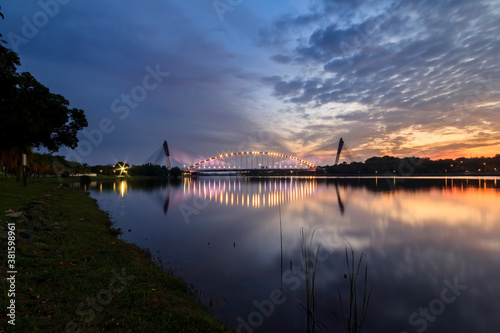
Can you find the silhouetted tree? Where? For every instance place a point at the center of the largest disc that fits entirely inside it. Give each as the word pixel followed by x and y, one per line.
pixel 175 172
pixel 30 115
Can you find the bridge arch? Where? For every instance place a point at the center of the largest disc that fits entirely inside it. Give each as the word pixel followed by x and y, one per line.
pixel 231 160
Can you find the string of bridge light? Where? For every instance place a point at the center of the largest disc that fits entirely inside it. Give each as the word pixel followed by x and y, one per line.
pixel 222 156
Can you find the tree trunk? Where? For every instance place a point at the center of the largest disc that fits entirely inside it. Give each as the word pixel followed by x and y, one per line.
pixel 24 176
pixel 21 169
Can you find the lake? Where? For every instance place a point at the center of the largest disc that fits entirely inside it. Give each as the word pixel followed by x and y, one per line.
pixel 269 254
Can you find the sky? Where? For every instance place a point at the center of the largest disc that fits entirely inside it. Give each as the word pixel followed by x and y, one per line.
pixel 401 78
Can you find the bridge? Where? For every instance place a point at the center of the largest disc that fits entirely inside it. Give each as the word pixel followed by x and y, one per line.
pixel 251 160
pixel 245 161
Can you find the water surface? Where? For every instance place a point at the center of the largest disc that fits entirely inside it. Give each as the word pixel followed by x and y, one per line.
pixel 432 247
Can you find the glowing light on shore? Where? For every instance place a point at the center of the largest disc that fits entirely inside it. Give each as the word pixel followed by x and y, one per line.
pixel 122 168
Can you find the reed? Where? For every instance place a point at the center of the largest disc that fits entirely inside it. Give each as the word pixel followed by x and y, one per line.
pixel 352 315
pixel 310 261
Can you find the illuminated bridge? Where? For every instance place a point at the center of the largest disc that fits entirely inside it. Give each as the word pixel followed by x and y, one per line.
pixel 251 160
pixel 243 161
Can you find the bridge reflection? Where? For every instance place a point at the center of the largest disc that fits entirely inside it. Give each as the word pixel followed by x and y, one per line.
pixel 251 192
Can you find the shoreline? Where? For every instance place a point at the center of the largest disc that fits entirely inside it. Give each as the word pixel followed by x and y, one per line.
pixel 73 274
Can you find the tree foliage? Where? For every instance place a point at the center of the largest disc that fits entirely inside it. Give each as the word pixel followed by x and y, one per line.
pixel 148 169
pixel 408 166
pixel 47 164
pixel 30 115
pixel 175 172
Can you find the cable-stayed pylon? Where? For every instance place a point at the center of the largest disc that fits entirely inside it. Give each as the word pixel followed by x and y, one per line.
pixel 167 154
pixel 160 154
pixel 339 150
pixel 347 151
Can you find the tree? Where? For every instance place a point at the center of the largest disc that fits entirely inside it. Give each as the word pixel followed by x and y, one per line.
pixel 8 77
pixel 175 172
pixel 8 81
pixel 30 115
pixel 39 118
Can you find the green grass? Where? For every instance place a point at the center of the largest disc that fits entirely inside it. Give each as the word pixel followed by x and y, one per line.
pixel 75 275
pixel 14 196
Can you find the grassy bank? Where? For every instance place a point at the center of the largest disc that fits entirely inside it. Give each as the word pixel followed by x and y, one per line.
pixel 73 274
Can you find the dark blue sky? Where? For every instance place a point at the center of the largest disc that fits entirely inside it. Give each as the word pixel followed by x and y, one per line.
pixel 392 77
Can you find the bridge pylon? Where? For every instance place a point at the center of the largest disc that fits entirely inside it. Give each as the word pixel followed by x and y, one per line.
pixel 347 151
pixel 339 150
pixel 167 153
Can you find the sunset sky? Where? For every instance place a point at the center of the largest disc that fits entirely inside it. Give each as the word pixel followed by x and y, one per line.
pixel 403 78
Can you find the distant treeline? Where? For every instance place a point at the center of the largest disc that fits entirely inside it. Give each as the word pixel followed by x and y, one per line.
pixel 417 166
pixel 39 164
pixel 148 169
pixel 43 165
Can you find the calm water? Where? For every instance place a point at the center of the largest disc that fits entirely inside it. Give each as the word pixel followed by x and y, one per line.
pixel 432 247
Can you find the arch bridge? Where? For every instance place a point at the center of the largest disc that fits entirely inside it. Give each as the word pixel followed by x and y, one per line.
pixel 252 160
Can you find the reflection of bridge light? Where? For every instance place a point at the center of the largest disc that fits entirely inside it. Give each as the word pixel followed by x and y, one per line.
pixel 123 188
pixel 282 191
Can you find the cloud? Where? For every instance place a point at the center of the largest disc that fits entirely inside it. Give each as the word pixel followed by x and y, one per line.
pixel 374 72
pixel 410 64
pixel 96 52
pixel 282 58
